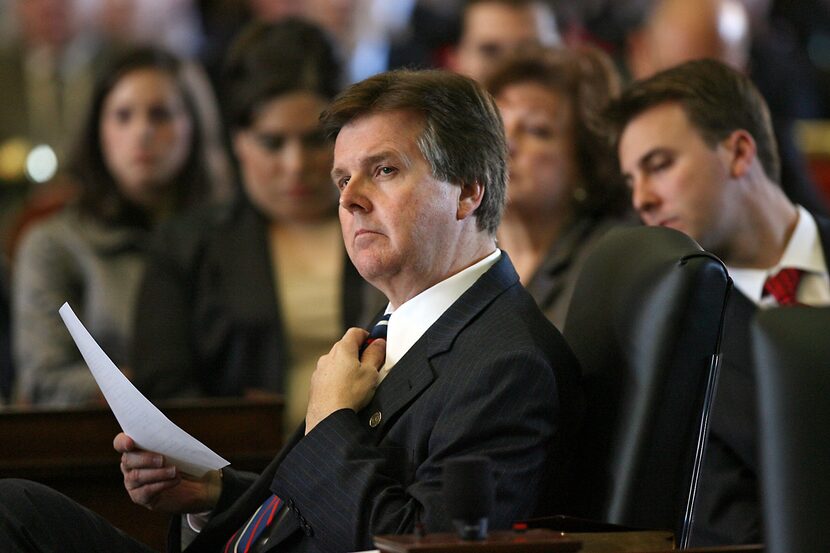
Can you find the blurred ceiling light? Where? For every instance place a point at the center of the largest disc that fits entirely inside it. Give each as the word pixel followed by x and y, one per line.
pixel 41 163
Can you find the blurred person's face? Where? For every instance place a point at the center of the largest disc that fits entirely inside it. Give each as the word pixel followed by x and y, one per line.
pixel 679 31
pixel 285 160
pixel 274 10
pixel 677 180
pixel 146 134
pixel 45 21
pixel 538 123
pixel 335 16
pixel 493 30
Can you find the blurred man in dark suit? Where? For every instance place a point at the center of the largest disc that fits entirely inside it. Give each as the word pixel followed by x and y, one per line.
pixel 697 148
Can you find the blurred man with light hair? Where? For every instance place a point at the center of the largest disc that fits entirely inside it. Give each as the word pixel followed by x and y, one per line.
pixel 676 31
pixel 491 29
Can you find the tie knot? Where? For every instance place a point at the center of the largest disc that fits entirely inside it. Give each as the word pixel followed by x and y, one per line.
pixel 783 286
pixel 378 331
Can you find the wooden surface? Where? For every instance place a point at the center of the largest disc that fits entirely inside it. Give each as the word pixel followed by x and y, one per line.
pixel 530 541
pixel 71 451
pixel 547 540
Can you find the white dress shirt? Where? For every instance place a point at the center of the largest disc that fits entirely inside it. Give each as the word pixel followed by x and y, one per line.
pixel 804 251
pixel 413 318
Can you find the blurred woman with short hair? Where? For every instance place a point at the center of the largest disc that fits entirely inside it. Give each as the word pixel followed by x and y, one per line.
pixel 565 190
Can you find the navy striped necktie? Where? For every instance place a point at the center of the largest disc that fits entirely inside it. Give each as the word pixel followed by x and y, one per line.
pixel 247 538
pixel 378 332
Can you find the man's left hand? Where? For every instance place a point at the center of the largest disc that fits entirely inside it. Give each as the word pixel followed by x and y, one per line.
pixel 342 379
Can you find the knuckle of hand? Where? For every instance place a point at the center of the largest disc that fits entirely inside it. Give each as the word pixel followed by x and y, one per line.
pixel 133 477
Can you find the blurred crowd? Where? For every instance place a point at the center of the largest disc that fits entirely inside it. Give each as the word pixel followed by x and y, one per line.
pixel 121 118
pixel 163 170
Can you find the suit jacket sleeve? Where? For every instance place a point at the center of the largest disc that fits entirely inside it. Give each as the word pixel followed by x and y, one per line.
pixel 344 488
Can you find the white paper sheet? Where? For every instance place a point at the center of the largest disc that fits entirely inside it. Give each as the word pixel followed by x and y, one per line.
pixel 140 419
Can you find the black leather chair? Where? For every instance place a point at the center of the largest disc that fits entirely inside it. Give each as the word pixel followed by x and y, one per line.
pixel 792 359
pixel 645 322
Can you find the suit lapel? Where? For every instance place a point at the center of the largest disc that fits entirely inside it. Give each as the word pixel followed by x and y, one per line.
pixel 823 225
pixel 414 372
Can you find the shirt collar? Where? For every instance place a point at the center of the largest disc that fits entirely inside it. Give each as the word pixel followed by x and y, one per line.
pixel 413 318
pixel 803 252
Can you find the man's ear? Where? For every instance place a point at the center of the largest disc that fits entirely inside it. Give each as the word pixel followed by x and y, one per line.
pixel 471 196
pixel 742 151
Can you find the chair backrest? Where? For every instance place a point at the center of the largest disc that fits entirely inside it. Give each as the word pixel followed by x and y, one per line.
pixel 791 347
pixel 645 323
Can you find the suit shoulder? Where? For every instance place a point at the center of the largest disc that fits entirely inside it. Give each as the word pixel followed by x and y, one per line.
pixel 513 321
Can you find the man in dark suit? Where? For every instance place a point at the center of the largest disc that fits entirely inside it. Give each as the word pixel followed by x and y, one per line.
pixel 470 365
pixel 697 148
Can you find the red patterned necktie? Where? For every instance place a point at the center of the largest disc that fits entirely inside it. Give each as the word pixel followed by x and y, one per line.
pixel 783 286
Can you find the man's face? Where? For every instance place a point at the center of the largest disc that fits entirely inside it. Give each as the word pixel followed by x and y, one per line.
pixel 493 30
pixel 399 222
pixel 677 180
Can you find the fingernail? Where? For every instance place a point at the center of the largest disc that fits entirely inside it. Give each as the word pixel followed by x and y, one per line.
pixel 171 472
pixel 159 460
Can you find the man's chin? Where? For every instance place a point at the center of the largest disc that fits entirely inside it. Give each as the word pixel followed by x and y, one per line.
pixel 672 224
pixel 675 225
pixel 370 266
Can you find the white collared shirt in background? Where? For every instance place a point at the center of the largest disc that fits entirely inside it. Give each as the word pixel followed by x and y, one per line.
pixel 803 251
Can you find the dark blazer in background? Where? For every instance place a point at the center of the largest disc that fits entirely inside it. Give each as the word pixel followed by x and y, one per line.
pixel 728 509
pixel 208 318
pixel 491 377
pixel 553 282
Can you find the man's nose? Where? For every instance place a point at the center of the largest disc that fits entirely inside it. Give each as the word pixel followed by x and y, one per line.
pixel 643 197
pixel 354 197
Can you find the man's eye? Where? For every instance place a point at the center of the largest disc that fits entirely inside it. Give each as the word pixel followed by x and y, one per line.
pixel 341 184
pixel 490 50
pixel 659 164
pixel 540 131
pixel 386 171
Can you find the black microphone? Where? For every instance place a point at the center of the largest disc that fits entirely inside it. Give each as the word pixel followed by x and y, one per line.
pixel 468 495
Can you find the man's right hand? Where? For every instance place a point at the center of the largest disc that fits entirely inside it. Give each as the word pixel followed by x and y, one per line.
pixel 160 487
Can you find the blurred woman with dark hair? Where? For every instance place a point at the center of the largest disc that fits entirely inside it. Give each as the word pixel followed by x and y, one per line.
pixel 243 300
pixel 138 160
pixel 565 190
